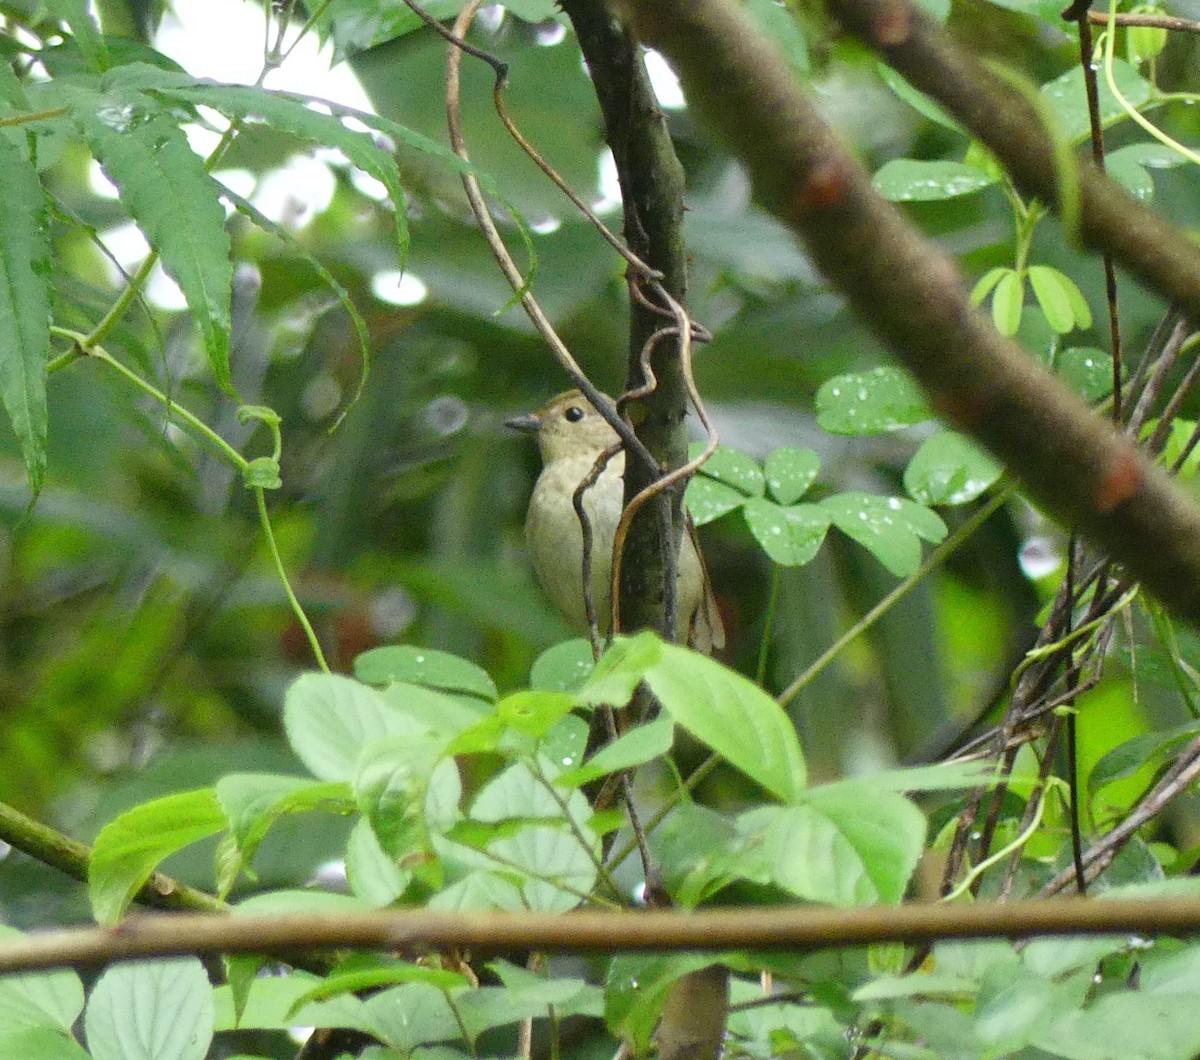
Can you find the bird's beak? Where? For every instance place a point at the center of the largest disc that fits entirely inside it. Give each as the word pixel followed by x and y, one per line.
pixel 530 423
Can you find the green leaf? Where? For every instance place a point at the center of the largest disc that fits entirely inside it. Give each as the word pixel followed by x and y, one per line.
pixel 24 306
pixel 1052 297
pixel 49 1001
pixel 534 713
pixel 909 180
pixel 272 1004
pixel 732 468
pixel 424 666
pixel 707 499
pixel 729 713
pixel 1068 98
pixel 636 987
pixel 790 536
pixel 888 527
pixel 1079 307
pixel 83 28
pixel 919 102
pixel 253 802
pixel 874 402
pixel 777 22
pixel 985 283
pixel 129 847
pixel 151 1010
pixel 949 469
pixel 1007 302
pixel 329 719
pixel 39 1043
pixel 174 201
pixel 790 472
pixel 1148 749
pixel 411 1015
pixel 1087 371
pixel 436 711
pixel 562 668
pixel 1129 166
pixel 620 669
pixel 844 844
pixel 293 114
pixel 394 784
pixel 373 874
pixel 640 745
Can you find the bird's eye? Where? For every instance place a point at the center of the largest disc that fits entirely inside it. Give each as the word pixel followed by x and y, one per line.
pixel 574 414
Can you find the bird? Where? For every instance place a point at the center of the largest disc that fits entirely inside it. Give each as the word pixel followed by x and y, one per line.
pixel 571 435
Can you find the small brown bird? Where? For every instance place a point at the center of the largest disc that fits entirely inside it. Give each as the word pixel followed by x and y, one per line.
pixel 571 434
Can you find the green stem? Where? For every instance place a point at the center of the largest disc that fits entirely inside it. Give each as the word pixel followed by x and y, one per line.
pixel 297 610
pixel 84 346
pixel 952 542
pixel 764 649
pixel 41 115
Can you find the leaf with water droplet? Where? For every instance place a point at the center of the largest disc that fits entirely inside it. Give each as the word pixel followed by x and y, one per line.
pixel 791 536
pixel 890 528
pixel 910 180
pixel 790 472
pixel 873 402
pixel 948 469
pixel 1087 371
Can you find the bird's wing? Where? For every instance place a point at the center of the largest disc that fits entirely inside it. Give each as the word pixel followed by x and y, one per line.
pixel 707 632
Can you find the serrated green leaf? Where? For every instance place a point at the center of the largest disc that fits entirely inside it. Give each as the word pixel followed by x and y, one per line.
pixel 883 399
pixel 372 873
pixel 83 28
pixel 174 201
pixel 534 713
pixel 151 1010
pixel 129 847
pixel 254 802
pixel 24 306
pixel 910 180
pixel 790 536
pixel 329 719
pixel 1007 302
pixel 790 472
pixel 732 715
pixel 294 115
pixel 844 844
pixel 393 784
pixel 436 711
pixel 949 469
pixel 1052 297
pixel 39 1043
pixel 43 1000
pixel 888 527
pixel 424 666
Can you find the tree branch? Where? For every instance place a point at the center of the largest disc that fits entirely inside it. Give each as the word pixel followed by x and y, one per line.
pixel 69 856
pixel 592 931
pixel 652 195
pixel 913 296
pixel 1008 121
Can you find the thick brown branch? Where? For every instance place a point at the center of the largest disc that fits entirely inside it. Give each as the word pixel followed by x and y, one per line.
pixel 1169 22
pixel 592 931
pixel 652 192
pixel 913 296
pixel 1009 122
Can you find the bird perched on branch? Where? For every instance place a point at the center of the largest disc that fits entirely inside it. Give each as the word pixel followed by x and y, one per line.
pixel 571 435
